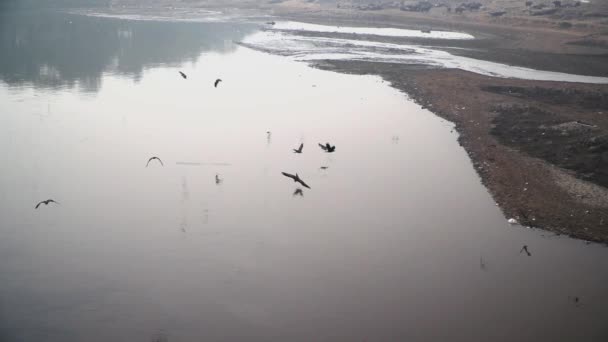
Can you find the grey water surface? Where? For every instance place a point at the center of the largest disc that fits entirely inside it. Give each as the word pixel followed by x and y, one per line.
pixel 397 239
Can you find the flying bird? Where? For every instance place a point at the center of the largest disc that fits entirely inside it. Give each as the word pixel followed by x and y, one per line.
pixel 296 178
pixel 151 159
pixel 327 147
pixel 217 82
pixel 218 180
pixel 298 192
pixel 45 203
pixel 324 167
pixel 299 150
pixel 525 249
pixel 183 75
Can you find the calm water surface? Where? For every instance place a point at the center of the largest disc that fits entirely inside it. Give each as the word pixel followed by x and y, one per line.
pixel 386 246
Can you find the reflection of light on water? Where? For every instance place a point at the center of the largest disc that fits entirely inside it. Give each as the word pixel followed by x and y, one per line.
pixel 319 48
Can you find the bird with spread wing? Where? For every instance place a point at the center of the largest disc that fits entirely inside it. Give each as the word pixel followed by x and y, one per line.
pixel 153 158
pixel 46 202
pixel 299 149
pixel 327 147
pixel 296 179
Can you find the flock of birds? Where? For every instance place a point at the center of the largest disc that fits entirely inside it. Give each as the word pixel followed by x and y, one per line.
pixel 327 147
pixel 296 178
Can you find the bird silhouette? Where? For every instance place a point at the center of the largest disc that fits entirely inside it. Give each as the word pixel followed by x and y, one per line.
pixel 327 147
pixel 218 180
pixel 151 159
pixel 299 150
pixel 482 264
pixel 45 202
pixel 296 178
pixel 183 75
pixel 324 167
pixel 525 249
pixel 217 82
pixel 298 192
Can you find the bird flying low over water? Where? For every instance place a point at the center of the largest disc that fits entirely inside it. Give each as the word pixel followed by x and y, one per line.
pixel 327 147
pixel 525 249
pixel 45 203
pixel 296 178
pixel 217 82
pixel 299 150
pixel 151 159
pixel 183 75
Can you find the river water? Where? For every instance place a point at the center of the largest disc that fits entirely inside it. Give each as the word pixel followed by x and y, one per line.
pixel 397 239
